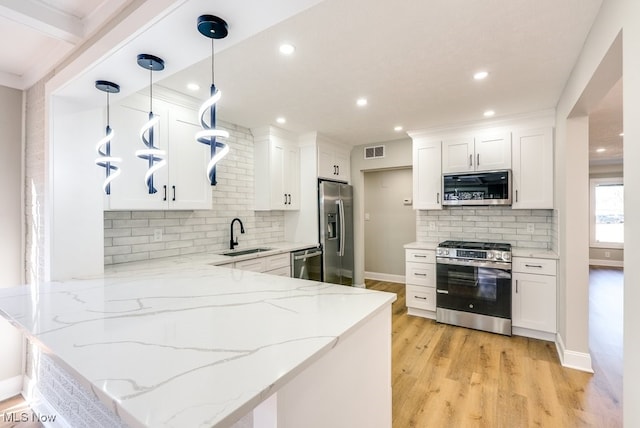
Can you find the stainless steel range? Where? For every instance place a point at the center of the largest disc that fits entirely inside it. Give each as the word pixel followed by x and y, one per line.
pixel 473 284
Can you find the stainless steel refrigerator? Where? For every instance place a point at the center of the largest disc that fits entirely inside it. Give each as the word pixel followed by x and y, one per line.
pixel 336 231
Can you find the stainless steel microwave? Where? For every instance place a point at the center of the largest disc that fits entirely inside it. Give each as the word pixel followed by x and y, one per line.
pixel 477 188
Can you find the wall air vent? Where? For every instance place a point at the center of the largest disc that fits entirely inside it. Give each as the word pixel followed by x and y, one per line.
pixel 374 152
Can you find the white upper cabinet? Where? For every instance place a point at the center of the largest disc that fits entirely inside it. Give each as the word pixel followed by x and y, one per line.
pixel 277 170
pixel 533 169
pixel 333 162
pixel 481 153
pixel 457 155
pixel 182 184
pixel 427 174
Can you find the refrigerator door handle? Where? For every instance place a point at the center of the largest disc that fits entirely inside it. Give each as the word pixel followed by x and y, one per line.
pixel 342 227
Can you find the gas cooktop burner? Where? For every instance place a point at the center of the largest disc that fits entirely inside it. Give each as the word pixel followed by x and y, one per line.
pixel 467 245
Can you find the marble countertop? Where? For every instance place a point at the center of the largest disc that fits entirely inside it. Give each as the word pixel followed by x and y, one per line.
pixel 186 343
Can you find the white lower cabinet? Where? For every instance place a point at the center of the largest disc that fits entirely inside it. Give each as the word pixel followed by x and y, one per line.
pixel 534 297
pixel 278 264
pixel 420 278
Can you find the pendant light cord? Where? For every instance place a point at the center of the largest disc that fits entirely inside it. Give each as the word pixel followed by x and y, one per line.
pixel 151 88
pixel 212 64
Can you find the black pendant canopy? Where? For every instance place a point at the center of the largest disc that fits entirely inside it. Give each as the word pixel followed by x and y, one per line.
pixel 150 62
pixel 106 86
pixel 213 27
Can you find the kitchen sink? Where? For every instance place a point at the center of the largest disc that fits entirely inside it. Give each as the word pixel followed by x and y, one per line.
pixel 245 252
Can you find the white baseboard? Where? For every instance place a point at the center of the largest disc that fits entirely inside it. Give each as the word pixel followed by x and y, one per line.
pixel 378 276
pixel 607 263
pixel 535 334
pixel 10 387
pixel 572 359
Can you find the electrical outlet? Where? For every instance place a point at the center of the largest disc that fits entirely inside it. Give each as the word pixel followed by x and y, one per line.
pixel 607 254
pixel 157 235
pixel 531 228
pixel 432 225
pixel 367 217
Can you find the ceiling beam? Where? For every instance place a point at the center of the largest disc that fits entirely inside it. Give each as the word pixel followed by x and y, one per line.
pixel 43 18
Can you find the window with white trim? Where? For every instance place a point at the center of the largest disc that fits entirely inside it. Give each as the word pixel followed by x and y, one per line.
pixel 607 212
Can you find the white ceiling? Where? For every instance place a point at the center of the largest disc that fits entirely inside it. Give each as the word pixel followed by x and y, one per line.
pixel 413 59
pixel 37 34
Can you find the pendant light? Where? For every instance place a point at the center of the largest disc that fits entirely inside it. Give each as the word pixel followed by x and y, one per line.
pixel 155 157
pixel 214 28
pixel 103 147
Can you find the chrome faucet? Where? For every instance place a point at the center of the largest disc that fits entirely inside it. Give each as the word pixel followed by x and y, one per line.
pixel 232 242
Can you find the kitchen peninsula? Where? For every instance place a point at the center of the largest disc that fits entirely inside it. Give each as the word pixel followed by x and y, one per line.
pixel 180 342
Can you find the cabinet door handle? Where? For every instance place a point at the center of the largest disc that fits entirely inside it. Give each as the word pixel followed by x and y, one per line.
pixel 478 161
pixel 289 197
pixel 285 198
pixel 422 298
pixel 516 195
pixel 516 286
pixel 164 188
pixel 534 266
pixel 174 193
pixel 470 161
pixel 438 198
pixel 338 168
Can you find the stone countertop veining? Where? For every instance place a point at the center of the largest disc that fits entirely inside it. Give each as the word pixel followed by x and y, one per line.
pixel 186 343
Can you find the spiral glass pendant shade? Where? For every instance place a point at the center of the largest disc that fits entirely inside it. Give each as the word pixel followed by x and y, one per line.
pixel 103 146
pixel 212 27
pixel 155 157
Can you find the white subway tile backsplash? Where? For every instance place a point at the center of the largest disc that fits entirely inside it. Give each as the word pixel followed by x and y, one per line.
pixel 494 224
pixel 189 232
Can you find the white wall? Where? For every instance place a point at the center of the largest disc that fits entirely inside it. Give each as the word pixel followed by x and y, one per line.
pixel 390 223
pixel 11 224
pixel 615 15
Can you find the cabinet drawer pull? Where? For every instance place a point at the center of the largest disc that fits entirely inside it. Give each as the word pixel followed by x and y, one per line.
pixel 419 274
pixel 533 266
pixel 418 297
pixel 422 256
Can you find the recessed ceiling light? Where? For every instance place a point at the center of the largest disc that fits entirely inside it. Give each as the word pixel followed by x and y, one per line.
pixel 481 75
pixel 489 113
pixel 193 86
pixel 621 134
pixel 287 49
pixel 397 128
pixel 361 102
pixel 601 149
pixel 281 120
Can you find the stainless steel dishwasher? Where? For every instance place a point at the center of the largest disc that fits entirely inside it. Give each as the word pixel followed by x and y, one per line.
pixel 307 264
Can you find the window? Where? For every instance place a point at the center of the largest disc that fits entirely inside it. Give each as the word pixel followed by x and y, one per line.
pixel 607 212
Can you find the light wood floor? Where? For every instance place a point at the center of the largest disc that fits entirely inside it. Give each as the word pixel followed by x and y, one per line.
pixel 446 376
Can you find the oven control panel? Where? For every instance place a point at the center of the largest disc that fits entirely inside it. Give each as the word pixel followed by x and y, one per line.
pixel 474 254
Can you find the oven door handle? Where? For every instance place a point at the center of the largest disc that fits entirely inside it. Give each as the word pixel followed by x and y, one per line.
pixel 442 291
pixel 474 263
